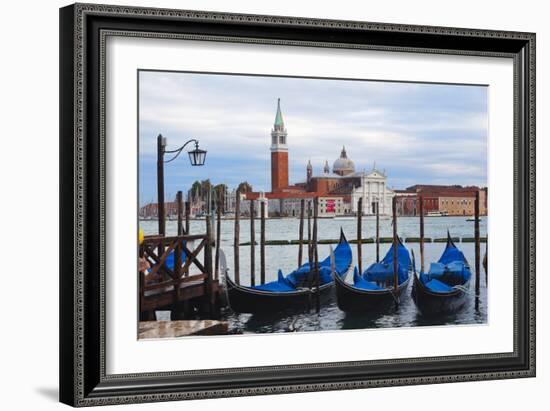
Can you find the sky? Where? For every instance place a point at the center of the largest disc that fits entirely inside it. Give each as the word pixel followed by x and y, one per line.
pixel 418 133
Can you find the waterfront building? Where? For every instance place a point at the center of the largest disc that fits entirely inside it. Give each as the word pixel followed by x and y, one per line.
pixel 331 206
pixel 374 190
pixel 448 200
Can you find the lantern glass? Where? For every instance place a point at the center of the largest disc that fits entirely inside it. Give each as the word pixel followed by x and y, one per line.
pixel 197 157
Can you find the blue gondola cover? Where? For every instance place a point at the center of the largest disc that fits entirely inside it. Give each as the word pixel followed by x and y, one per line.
pixel 382 272
pixel 298 278
pixel 360 282
pixel 451 270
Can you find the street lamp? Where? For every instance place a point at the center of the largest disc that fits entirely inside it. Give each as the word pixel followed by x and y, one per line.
pixel 196 157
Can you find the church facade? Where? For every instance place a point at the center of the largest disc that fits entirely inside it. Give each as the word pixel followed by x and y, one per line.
pixel 338 189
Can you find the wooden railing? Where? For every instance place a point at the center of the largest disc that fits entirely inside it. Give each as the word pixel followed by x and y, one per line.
pixel 161 280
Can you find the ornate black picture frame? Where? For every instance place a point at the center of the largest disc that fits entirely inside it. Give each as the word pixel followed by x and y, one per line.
pixel 83 30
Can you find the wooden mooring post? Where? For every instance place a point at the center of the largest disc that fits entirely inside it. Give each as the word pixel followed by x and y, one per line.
pixel 360 234
pixel 160 187
pixel 310 280
pixel 395 245
pixel 187 217
pixel 178 251
pixel 218 240
pixel 262 243
pixel 208 265
pixel 377 232
pixel 309 248
pixel 252 246
pixel 236 238
pixel 485 263
pixel 316 255
pixel 301 233
pixel 477 245
pixel 421 207
pixel 179 201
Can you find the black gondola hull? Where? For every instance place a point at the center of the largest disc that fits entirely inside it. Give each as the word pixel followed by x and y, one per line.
pixel 430 303
pixel 245 300
pixel 351 299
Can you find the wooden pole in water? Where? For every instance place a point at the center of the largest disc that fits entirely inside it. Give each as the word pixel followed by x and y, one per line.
pixel 160 195
pixel 377 232
pixel 421 201
pixel 310 256
pixel 301 233
pixel 218 239
pixel 359 233
pixel 179 201
pixel 236 238
pixel 252 246
pixel 262 243
pixel 485 264
pixel 178 250
pixel 187 216
pixel 316 253
pixel 395 245
pixel 310 280
pixel 208 263
pixel 160 187
pixel 477 240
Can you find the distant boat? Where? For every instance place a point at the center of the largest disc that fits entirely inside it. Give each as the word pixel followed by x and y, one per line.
pixel 366 216
pixel 436 214
pixel 292 291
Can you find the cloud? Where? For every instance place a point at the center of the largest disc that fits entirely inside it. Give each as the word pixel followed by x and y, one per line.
pixel 420 133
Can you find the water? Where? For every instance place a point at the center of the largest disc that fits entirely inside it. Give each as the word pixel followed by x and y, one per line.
pixel 330 317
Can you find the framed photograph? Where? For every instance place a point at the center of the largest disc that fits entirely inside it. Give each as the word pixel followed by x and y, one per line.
pixel 262 204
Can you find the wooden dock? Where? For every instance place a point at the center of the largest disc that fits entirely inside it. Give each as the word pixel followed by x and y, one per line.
pixel 176 329
pixel 168 284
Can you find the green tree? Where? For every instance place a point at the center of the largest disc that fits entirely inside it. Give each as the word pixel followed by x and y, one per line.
pixel 244 187
pixel 195 191
pixel 206 186
pixel 220 191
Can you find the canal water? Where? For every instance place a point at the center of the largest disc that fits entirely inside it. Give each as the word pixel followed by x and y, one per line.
pixel 285 257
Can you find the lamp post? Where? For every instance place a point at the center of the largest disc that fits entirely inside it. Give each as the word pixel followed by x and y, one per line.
pixel 196 157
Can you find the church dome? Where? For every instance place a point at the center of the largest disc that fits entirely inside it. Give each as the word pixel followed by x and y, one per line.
pixel 343 165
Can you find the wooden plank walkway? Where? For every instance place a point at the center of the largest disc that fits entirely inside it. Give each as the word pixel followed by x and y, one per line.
pixel 182 328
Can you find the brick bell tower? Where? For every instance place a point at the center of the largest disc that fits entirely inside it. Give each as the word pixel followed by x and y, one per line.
pixel 279 153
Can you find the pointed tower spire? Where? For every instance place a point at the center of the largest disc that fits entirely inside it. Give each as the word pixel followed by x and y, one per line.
pixel 326 169
pixel 343 154
pixel 278 134
pixel 279 123
pixel 309 171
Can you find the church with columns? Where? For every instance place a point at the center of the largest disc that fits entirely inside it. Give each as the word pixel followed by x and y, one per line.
pixel 338 189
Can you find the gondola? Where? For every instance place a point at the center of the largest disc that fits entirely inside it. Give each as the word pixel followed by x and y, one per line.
pixel 374 290
pixel 293 291
pixel 445 287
